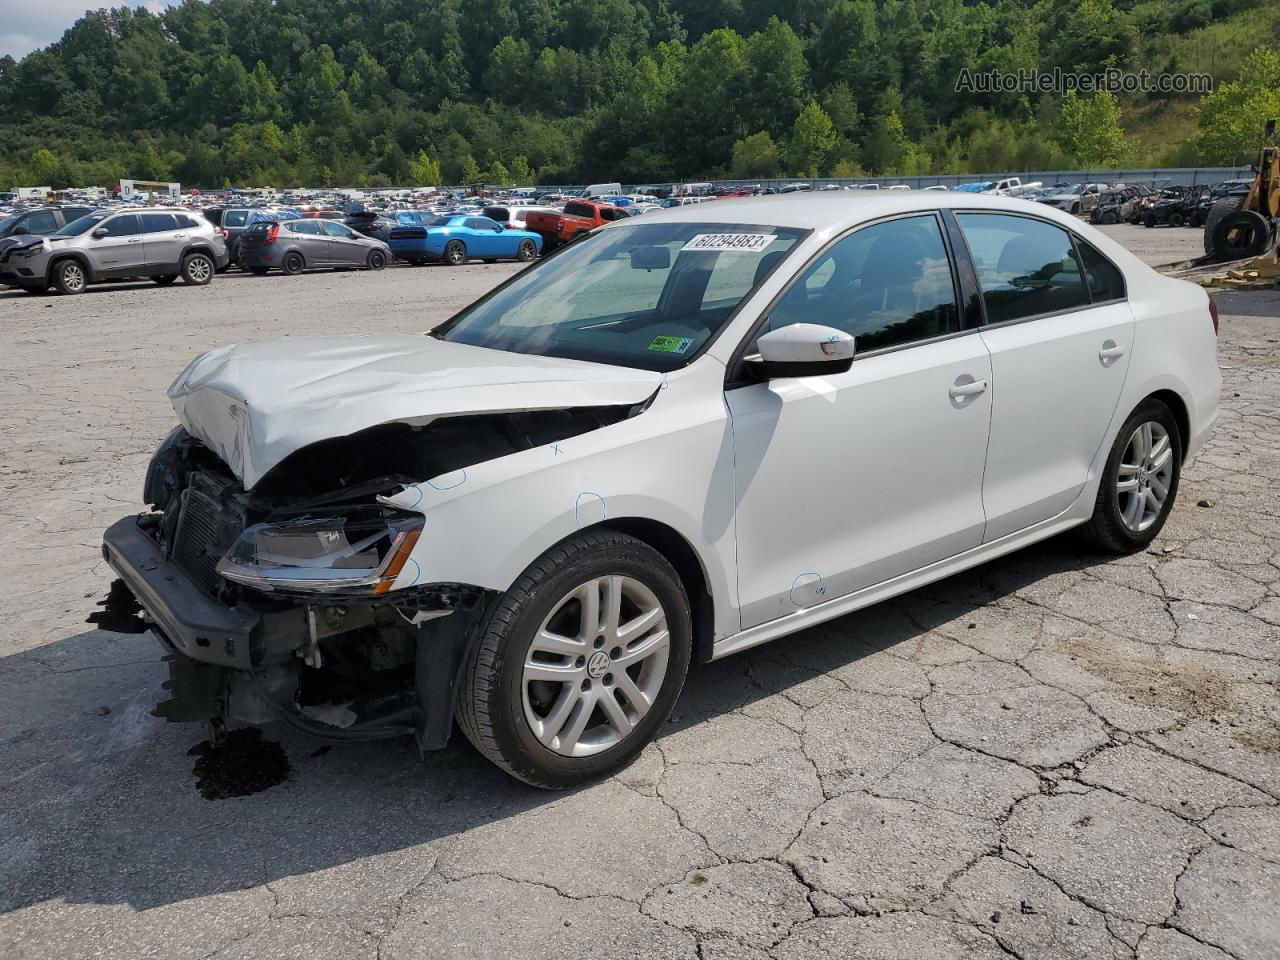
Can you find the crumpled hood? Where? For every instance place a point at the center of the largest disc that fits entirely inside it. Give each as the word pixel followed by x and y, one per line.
pixel 10 245
pixel 254 404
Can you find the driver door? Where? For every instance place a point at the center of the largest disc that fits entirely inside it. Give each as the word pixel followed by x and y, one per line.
pixel 848 480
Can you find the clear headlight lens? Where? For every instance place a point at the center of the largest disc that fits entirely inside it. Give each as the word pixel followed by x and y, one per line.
pixel 323 554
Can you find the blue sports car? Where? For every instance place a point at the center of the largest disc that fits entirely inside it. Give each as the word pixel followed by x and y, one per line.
pixel 458 238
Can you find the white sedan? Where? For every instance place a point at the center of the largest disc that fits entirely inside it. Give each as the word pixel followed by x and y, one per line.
pixel 681 436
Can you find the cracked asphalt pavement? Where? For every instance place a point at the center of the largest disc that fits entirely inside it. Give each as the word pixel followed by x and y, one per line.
pixel 1058 755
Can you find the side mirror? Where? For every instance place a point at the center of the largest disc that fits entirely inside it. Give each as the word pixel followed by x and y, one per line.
pixel 802 350
pixel 20 230
pixel 99 233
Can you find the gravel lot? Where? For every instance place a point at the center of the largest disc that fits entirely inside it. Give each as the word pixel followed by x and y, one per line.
pixel 1058 755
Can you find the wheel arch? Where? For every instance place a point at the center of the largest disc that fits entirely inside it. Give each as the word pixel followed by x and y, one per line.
pixel 1176 404
pixel 198 247
pixel 680 553
pixel 64 255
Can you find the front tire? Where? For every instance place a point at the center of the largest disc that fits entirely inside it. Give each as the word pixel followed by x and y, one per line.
pixel 580 663
pixel 1139 481
pixel 69 277
pixel 455 253
pixel 197 269
pixel 377 260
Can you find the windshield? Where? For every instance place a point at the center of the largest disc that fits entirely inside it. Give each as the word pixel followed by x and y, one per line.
pixel 77 227
pixel 645 295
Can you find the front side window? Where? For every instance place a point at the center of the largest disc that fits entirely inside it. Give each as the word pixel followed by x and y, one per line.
pixel 309 227
pixel 1026 267
pixel 886 284
pixel 41 222
pixel 123 226
pixel 337 230
pixel 641 295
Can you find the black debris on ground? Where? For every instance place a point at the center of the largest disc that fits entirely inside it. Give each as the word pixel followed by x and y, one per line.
pixel 240 764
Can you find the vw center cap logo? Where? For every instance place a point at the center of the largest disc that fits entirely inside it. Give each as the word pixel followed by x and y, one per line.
pixel 598 665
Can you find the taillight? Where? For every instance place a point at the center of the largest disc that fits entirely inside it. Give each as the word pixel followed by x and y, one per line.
pixel 273 231
pixel 1213 315
pixel 224 233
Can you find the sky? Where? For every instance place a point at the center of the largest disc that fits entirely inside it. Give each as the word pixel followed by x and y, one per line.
pixel 27 25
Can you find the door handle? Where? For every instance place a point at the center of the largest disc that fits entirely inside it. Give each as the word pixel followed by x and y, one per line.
pixel 970 389
pixel 180 236
pixel 136 240
pixel 1110 351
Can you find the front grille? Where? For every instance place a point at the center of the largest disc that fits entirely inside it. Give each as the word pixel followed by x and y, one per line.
pixel 195 547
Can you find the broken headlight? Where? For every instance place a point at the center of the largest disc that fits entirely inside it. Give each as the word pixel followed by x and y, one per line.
pixel 342 554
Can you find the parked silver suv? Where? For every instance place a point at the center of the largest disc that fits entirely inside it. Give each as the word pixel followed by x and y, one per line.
pixel 162 244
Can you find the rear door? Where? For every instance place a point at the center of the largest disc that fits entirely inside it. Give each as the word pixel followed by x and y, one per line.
pixel 1059 354
pixel 163 240
pixel 309 237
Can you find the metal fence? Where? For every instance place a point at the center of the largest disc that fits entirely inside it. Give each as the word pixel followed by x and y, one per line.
pixel 1181 176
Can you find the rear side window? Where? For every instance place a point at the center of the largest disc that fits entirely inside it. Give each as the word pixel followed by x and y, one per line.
pixel 580 210
pixel 125 225
pixel 157 222
pixel 309 227
pixel 235 218
pixel 1106 282
pixel 1026 267
pixel 184 221
pixel 886 284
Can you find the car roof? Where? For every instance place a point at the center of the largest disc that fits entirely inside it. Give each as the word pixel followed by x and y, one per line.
pixel 830 210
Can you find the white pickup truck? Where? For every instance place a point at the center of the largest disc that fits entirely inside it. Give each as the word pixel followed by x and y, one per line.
pixel 1012 187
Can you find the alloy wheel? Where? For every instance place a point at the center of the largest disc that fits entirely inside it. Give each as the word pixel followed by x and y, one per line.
pixel 1144 476
pixel 73 277
pixel 199 270
pixel 595 666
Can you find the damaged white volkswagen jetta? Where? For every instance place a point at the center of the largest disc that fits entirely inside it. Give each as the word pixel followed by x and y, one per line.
pixel 676 438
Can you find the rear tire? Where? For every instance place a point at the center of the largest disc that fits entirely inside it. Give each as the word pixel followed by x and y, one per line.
pixel 455 253
pixel 1109 217
pixel 197 269
pixel 500 703
pixel 1126 516
pixel 292 264
pixel 69 277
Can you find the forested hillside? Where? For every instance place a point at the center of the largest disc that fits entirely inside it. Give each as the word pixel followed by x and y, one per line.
pixel 378 92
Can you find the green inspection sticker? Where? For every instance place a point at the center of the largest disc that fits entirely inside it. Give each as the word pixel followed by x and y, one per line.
pixel 671 344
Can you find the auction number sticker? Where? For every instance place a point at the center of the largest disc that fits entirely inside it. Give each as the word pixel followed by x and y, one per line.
pixel 740 242
pixel 671 344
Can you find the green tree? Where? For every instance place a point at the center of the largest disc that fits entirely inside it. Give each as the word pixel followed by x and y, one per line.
pixel 470 171
pixel 521 175
pixel 498 174
pixel 508 68
pixel 424 172
pixel 755 156
pixel 1232 118
pixel 812 138
pixel 46 169
pixel 1089 129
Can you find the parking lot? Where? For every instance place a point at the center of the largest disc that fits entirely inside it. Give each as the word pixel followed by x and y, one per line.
pixel 1056 755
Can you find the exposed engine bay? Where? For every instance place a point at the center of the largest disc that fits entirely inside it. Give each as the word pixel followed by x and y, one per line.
pixel 276 602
